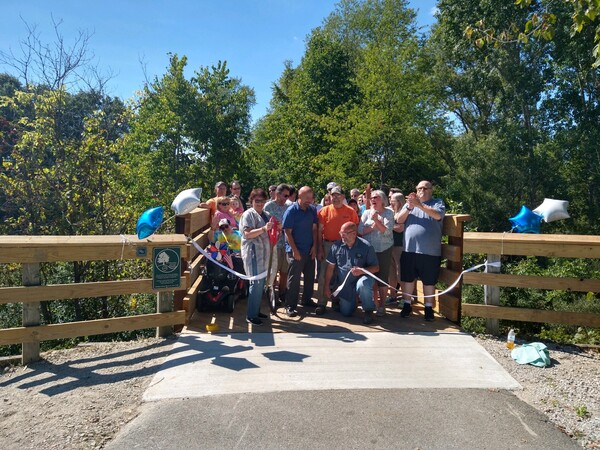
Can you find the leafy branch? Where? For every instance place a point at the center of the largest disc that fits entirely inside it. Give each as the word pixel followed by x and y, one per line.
pixel 539 25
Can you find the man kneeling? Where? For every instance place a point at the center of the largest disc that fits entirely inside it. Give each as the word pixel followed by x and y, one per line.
pixel 347 256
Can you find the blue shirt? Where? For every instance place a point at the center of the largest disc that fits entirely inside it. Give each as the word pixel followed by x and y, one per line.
pixel 301 222
pixel 362 254
pixel 422 233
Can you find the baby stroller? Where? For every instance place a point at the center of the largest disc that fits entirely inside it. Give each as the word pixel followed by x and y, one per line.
pixel 219 287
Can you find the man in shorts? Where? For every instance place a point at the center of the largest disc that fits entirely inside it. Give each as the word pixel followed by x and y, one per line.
pixel 423 217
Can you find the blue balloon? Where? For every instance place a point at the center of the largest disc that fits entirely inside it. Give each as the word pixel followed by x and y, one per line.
pixel 526 221
pixel 149 222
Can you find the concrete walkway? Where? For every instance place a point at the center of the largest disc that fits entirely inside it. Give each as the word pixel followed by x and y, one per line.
pixel 202 365
pixel 335 390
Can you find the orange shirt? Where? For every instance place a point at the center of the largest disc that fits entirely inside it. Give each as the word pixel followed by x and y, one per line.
pixel 212 206
pixel 333 218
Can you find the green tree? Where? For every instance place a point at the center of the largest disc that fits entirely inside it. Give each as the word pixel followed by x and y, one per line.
pixel 187 133
pixel 535 99
pixel 358 108
pixel 288 141
pixel 56 184
pixel 222 122
pixel 494 94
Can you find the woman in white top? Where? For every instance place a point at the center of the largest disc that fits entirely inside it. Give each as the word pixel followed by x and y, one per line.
pixel 376 225
pixel 254 226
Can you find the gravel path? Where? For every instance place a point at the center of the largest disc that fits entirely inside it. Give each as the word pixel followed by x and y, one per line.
pixel 568 392
pixel 79 398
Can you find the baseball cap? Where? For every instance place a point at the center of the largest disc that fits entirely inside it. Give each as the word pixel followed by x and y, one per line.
pixel 223 222
pixel 331 185
pixel 336 190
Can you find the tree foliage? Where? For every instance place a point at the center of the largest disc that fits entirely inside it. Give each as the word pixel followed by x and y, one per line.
pixel 540 23
pixel 358 108
pixel 187 132
pixel 56 183
pixel 532 99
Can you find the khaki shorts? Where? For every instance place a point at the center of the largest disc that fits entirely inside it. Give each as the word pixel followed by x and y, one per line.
pixel 282 262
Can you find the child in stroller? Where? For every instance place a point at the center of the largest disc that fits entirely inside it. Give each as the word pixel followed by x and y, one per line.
pixel 220 287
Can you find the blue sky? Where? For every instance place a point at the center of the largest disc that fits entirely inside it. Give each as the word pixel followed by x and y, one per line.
pixel 255 37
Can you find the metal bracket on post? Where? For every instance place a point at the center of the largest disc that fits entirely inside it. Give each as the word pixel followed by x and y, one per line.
pixel 164 303
pixel 31 313
pixel 492 296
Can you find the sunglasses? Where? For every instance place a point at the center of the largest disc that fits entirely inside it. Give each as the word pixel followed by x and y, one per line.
pixel 224 204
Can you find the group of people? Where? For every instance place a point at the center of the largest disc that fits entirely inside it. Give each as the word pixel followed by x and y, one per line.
pixel 345 243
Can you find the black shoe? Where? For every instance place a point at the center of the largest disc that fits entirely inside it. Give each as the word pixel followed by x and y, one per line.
pixel 336 307
pixel 406 310
pixel 262 316
pixel 320 310
pixel 429 314
pixel 310 303
pixel 291 312
pixel 368 317
pixel 254 321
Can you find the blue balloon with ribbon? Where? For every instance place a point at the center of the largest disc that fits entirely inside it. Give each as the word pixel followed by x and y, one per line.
pixel 149 222
pixel 526 221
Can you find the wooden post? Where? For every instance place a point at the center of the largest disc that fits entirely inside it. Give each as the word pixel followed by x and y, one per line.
pixel 164 303
pixel 182 224
pixel 492 296
pixel 31 313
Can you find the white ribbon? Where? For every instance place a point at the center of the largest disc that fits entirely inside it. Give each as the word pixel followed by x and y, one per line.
pixel 260 276
pixel 448 289
pixel 124 240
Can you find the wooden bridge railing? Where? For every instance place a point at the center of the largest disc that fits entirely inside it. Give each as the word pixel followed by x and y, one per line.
pixel 30 251
pixel 196 224
pixel 495 245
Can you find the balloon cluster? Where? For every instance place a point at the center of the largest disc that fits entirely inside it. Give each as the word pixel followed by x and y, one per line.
pixel 152 218
pixel 528 221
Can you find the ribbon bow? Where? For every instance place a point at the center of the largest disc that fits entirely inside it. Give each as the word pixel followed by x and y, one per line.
pixel 275 231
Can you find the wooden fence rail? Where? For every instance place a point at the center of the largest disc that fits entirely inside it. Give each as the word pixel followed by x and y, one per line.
pixel 495 245
pixel 175 307
pixel 30 251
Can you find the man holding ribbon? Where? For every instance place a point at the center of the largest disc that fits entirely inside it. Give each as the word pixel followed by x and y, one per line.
pixel 350 257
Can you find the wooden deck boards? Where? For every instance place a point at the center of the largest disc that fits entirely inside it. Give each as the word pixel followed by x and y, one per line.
pixel 308 322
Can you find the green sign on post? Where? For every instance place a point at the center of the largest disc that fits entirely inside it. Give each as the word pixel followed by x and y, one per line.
pixel 166 267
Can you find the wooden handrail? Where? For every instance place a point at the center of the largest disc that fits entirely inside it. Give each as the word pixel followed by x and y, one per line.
pixel 559 245
pixel 495 245
pixel 38 249
pixel 30 251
